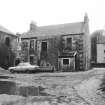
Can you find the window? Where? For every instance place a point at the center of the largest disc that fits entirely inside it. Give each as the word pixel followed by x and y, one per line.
pixel 19 39
pixel 65 61
pixel 44 47
pixel 32 44
pixel 69 43
pixel 7 41
pixel 24 44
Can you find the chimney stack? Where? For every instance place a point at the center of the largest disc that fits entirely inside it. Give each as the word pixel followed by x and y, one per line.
pixel 33 26
pixel 86 19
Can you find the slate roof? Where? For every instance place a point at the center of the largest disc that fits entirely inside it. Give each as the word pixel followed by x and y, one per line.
pixel 2 29
pixel 53 30
pixel 68 54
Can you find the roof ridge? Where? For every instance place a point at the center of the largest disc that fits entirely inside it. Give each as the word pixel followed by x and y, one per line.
pixel 57 29
pixel 60 24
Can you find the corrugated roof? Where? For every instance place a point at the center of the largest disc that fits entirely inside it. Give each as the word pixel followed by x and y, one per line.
pixel 60 29
pixel 2 29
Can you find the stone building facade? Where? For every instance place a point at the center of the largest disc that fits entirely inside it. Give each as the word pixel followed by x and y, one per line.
pixel 98 48
pixel 66 47
pixel 9 41
pixel 7 37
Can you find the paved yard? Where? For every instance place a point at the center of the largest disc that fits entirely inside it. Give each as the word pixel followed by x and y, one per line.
pixel 80 88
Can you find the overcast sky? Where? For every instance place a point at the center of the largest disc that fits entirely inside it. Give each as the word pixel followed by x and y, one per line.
pixel 16 15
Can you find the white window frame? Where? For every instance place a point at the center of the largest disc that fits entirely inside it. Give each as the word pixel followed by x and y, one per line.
pixel 66 58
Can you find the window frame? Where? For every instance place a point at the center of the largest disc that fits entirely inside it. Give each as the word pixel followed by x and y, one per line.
pixel 70 47
pixel 66 59
pixel 32 45
pixel 25 44
pixel 46 46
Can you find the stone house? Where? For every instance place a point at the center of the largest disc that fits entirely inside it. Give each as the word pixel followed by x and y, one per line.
pixel 8 39
pixel 98 48
pixel 66 47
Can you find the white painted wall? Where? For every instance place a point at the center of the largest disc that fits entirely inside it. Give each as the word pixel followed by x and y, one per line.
pixel 100 53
